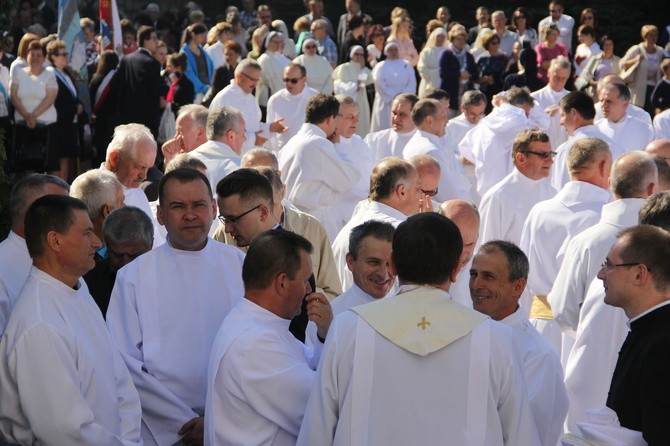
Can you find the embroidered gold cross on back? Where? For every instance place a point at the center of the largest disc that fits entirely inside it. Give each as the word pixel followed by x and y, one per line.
pixel 423 324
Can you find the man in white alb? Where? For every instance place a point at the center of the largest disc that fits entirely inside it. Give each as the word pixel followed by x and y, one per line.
pixel 631 133
pixel 662 125
pixel 395 194
pixel 632 110
pixel 497 278
pixel 546 114
pixel 15 261
pixel 61 376
pixel 391 142
pixel 430 119
pixel 191 126
pixel 473 104
pixel 289 104
pixel 368 260
pixel 259 374
pixel 225 138
pixel 455 373
pixel 316 177
pixel 634 178
pixel 577 114
pixel 506 205
pixel 551 224
pixel 166 308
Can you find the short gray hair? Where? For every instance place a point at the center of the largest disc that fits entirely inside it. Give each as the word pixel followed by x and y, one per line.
pixel 128 225
pixel 559 62
pixel 184 160
pixel 27 190
pixel 631 174
pixel 473 97
pixel 96 188
pixel 221 120
pixel 517 261
pixel 247 63
pixel 583 152
pixel 345 100
pixel 197 113
pixel 260 152
pixel 519 96
pixel 126 137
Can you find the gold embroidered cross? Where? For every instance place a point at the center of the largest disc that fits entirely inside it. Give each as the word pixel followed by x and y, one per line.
pixel 424 323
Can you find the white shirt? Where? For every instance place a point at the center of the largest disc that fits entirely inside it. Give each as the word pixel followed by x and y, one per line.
pixel 584 54
pixel 391 77
pixel 489 145
pixel 164 312
pixel 388 142
pixel 456 130
pixel 316 177
pixel 219 158
pixel 355 151
pixel 460 289
pixel 583 257
pixel 215 53
pixel 565 25
pixel 546 97
pixel 259 380
pixel 234 96
pixel 559 170
pixel 543 377
pixel 507 41
pixel 374 211
pixel 632 110
pixel 631 133
pixel 283 104
pixel 62 379
pixel 506 205
pixel 460 392
pixel 353 297
pixel 662 125
pixel 272 76
pixel 453 183
pixel 15 264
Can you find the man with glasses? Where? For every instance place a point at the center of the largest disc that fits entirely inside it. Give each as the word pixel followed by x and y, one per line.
pixel 564 22
pixel 166 308
pixel 429 172
pixel 506 205
pixel 551 224
pixel 289 104
pixel 636 277
pixel 238 94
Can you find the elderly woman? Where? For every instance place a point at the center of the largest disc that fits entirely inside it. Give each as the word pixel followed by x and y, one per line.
pixel 491 67
pixel 429 61
pixel 350 79
pixel 458 69
pixel 200 66
pixel 67 108
pixel 646 56
pixel 33 91
pixel 391 77
pixel 319 71
pixel 401 33
pixel 548 50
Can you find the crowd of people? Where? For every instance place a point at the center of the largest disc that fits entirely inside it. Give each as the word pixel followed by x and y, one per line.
pixel 336 236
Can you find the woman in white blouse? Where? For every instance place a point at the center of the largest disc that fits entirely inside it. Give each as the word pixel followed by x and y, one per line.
pixel 319 71
pixel 429 61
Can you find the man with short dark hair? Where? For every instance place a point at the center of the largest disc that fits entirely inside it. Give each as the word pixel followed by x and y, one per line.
pixel 62 378
pixel 482 16
pixel 636 277
pixel 259 375
pixel 14 258
pixel 316 177
pixel 392 141
pixel 167 306
pixel 497 279
pixel 423 351
pixel 368 260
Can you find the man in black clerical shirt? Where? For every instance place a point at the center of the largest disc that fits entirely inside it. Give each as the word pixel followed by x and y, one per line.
pixel 636 277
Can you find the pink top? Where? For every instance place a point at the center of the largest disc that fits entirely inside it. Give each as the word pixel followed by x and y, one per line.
pixel 545 53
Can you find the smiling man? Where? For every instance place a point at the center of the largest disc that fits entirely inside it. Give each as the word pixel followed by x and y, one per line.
pixel 167 306
pixel 497 279
pixel 368 260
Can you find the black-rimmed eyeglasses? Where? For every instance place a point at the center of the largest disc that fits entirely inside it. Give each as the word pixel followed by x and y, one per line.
pixel 543 155
pixel 607 266
pixel 430 193
pixel 230 219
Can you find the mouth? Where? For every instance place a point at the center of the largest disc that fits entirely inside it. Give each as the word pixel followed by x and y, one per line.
pixel 479 297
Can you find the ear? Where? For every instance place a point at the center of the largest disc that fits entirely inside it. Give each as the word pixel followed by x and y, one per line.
pixel 264 211
pixel 652 188
pixel 106 209
pixel 159 215
pixel 519 286
pixel 215 209
pixel 113 160
pixel 53 241
pixel 392 269
pixel 350 262
pixel 454 273
pixel 519 158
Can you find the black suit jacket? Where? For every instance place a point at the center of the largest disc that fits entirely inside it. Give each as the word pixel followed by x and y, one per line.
pixel 139 86
pixel 640 389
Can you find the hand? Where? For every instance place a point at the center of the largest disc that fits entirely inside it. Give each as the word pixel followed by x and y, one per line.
pixel 425 203
pixel 172 147
pixel 31 121
pixel 193 431
pixel 163 102
pixel 335 137
pixel 277 126
pixel 80 109
pixel 319 312
pixel 259 141
pixel 551 110
pixel 465 75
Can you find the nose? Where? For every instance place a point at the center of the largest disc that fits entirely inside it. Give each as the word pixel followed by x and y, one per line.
pixel 95 241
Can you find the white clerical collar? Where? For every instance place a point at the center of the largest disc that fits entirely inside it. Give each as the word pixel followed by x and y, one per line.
pixel 43 276
pixel 385 209
pixel 263 314
pixel 514 318
pixel 433 138
pixel 644 313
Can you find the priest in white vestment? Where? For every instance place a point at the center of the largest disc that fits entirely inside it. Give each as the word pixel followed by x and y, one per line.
pixel 662 125
pixel 391 77
pixel 62 379
pixel 259 374
pixel 238 94
pixel 166 308
pixel 497 279
pixel 546 113
pixel 631 133
pixel 191 132
pixel 577 114
pixel 368 260
pixel 551 224
pixel 15 261
pixel 316 177
pixel 392 141
pixel 506 205
pixel 289 104
pixel 430 118
pixel 395 194
pixel 272 63
pixel 473 104
pixel 454 373
pixel 632 110
pixel 225 139
pixel 489 145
